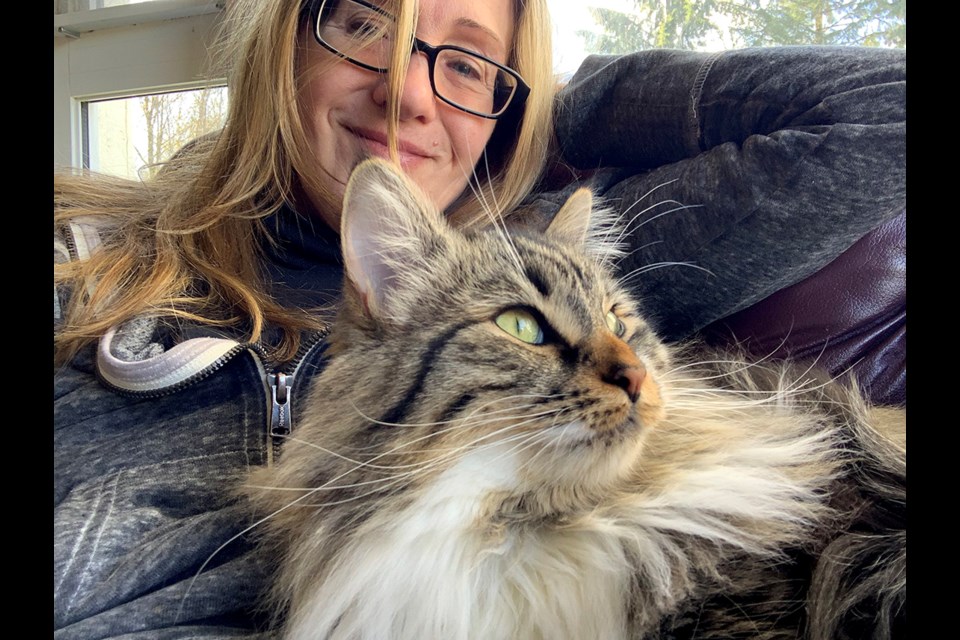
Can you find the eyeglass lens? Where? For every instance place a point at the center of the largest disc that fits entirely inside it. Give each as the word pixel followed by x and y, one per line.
pixel 362 33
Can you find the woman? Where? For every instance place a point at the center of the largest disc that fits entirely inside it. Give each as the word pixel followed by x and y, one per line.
pixel 278 148
pixel 204 277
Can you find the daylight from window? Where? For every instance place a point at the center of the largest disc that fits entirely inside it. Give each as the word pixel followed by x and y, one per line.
pixel 621 26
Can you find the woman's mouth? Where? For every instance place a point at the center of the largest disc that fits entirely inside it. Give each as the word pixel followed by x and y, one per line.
pixel 376 143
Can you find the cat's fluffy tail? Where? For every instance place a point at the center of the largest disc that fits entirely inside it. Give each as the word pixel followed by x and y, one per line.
pixel 859 586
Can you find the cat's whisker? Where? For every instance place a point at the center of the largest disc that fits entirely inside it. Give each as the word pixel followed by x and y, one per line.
pixel 626 212
pixel 538 433
pixel 458 425
pixel 459 448
pixel 493 211
pixel 466 421
pixel 398 480
pixel 738 365
pixel 448 453
pixel 648 194
pixel 470 422
pixel 630 227
pixel 359 463
pixel 625 227
pixel 488 403
pixel 680 207
pixel 802 380
pixel 499 219
pixel 422 467
pixel 453 451
pixel 699 394
pixel 641 248
pixel 625 278
pixel 547 437
pixel 494 434
pixel 227 543
pixel 523 441
pixel 325 487
pixel 727 399
pixel 486 445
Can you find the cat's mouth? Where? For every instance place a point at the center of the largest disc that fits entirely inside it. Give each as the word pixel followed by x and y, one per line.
pixel 604 420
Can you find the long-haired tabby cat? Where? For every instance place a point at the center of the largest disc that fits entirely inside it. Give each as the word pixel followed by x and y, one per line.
pixel 501 448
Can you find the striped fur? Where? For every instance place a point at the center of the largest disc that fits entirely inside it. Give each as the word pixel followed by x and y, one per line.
pixel 449 481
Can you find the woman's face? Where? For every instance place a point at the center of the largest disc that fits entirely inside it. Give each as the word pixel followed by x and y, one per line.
pixel 344 106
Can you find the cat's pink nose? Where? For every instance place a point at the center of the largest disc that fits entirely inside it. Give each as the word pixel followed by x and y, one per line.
pixel 630 379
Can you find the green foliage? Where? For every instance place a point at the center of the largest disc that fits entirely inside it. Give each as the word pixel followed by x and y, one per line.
pixel 848 22
pixel 717 23
pixel 672 24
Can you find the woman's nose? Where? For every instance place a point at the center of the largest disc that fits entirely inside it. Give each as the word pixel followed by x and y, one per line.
pixel 417 100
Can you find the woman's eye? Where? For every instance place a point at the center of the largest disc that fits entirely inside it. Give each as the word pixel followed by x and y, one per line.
pixel 521 325
pixel 466 68
pixel 366 25
pixel 615 324
pixel 468 73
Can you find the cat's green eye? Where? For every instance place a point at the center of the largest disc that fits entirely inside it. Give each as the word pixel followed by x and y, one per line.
pixel 615 324
pixel 521 325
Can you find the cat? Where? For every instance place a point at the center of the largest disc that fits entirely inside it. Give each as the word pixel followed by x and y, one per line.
pixel 502 448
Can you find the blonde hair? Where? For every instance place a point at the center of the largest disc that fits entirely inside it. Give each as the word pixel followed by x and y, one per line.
pixel 186 244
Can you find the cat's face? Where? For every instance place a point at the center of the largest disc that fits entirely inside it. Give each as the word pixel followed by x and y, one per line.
pixel 523 346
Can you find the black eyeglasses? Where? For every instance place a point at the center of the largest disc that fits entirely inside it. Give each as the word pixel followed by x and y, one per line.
pixel 361 33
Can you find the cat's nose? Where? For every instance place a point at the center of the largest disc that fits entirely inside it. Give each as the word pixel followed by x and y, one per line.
pixel 628 378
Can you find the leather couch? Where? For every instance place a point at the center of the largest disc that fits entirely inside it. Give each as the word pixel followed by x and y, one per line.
pixel 848 317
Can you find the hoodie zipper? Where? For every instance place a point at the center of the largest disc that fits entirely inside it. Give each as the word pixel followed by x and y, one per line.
pixel 71 245
pixel 277 379
pixel 281 399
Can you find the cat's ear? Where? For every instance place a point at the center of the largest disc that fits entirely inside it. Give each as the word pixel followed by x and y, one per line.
pixel 389 231
pixel 583 224
pixel 572 222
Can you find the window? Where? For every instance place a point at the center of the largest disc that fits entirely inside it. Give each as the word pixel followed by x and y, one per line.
pixel 128 136
pixel 114 62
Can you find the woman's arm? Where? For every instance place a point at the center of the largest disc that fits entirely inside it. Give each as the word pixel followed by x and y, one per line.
pixel 745 171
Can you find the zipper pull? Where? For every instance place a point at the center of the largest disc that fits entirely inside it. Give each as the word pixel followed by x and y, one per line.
pixel 281 418
pixel 281 384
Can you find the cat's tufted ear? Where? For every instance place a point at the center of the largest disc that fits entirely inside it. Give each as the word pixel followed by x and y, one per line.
pixel 572 222
pixel 389 231
pixel 582 223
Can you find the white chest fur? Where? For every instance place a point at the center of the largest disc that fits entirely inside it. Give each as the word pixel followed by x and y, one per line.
pixel 432 573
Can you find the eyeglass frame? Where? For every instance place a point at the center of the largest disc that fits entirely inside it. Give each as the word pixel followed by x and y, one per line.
pixel 517 99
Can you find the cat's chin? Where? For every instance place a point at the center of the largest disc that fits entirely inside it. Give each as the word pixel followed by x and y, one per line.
pixel 579 434
pixel 576 455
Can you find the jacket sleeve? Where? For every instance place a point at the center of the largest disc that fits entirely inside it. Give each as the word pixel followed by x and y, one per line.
pixel 737 173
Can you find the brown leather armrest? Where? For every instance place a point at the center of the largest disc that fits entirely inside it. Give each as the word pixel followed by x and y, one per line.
pixel 850 315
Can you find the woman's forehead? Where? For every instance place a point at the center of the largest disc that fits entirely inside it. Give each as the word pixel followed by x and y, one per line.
pixel 483 22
